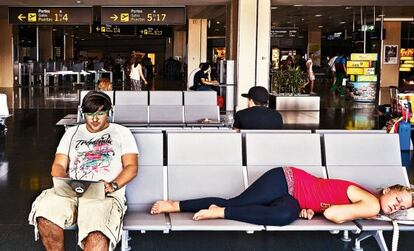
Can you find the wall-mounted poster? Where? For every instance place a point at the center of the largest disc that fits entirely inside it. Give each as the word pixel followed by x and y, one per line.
pixel 390 54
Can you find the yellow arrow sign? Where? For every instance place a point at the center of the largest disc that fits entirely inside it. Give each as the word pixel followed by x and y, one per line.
pixel 114 17
pixel 21 17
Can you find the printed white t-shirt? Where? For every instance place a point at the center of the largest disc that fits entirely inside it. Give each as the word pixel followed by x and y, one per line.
pixel 96 156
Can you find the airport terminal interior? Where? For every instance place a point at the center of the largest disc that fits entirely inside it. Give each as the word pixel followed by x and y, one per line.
pixel 53 51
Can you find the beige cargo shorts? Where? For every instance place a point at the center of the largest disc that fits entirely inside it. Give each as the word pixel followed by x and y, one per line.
pixel 90 215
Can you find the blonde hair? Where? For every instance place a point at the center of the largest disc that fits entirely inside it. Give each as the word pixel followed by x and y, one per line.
pixel 104 85
pixel 398 187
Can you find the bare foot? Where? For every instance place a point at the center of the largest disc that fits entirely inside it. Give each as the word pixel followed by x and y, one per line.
pixel 213 212
pixel 165 206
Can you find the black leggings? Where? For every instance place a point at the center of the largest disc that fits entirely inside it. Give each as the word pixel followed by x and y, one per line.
pixel 265 202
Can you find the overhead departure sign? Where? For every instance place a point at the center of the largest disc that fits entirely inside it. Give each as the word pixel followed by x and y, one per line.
pixel 143 15
pixel 51 15
pixel 154 31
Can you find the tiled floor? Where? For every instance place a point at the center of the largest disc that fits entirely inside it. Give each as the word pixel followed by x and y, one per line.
pixel 26 153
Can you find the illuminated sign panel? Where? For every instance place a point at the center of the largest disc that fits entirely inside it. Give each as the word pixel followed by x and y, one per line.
pixel 51 15
pixel 143 15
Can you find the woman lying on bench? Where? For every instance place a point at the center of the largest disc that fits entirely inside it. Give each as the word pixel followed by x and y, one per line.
pixel 282 195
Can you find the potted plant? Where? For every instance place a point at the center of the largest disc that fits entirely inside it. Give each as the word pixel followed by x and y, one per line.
pixel 291 81
pixel 287 91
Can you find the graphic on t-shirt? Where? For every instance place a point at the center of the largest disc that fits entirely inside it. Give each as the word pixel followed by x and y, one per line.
pixel 93 156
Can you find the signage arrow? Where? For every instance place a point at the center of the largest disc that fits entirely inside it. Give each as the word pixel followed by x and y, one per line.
pixel 114 17
pixel 21 17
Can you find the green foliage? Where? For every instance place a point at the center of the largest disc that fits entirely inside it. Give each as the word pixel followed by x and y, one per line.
pixel 290 81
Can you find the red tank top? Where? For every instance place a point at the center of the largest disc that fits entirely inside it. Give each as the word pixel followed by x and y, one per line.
pixel 316 193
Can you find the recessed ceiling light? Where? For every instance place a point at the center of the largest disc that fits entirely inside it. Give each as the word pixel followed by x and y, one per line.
pixel 298 5
pixel 303 19
pixel 82 39
pixel 342 22
pixel 318 15
pixel 320 26
pixel 274 7
pixel 381 15
pixel 78 1
pixel 348 7
pixel 217 29
pixel 289 22
pixel 218 22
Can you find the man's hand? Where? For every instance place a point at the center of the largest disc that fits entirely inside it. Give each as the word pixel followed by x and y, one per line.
pixel 108 187
pixel 306 214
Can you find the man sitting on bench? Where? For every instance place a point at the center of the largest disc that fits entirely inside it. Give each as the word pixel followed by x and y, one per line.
pixel 282 195
pixel 96 151
pixel 257 115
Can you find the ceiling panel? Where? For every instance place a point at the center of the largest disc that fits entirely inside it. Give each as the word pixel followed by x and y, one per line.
pixel 109 2
pixel 332 18
pixel 344 2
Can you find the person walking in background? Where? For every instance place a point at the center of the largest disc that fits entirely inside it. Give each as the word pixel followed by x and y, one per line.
pixel 311 74
pixel 340 69
pixel 332 68
pixel 137 75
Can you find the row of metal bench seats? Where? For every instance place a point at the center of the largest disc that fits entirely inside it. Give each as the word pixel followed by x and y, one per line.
pixel 202 163
pixel 174 108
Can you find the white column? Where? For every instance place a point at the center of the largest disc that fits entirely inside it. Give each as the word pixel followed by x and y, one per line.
pixel 263 43
pixel 246 49
pixel 197 44
pixel 253 47
pixel 180 45
pixel 6 49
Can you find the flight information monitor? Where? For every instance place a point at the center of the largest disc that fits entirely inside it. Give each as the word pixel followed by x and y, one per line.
pixel 50 15
pixel 143 15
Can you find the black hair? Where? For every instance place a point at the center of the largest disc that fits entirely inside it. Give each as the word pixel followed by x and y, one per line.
pixel 258 103
pixel 96 101
pixel 205 66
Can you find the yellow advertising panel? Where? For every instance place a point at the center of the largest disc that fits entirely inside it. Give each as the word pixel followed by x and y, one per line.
pixel 358 64
pixel 409 62
pixel 364 56
pixel 367 78
pixel 406 58
pixel 369 71
pixel 355 71
pixel 405 69
pixel 405 65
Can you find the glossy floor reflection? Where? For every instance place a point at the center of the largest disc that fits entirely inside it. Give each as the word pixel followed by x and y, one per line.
pixel 27 151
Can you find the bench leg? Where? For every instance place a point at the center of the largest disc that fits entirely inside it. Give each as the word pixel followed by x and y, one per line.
pixel 378 235
pixel 345 237
pixel 124 241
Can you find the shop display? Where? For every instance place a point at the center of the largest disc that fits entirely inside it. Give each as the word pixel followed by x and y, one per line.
pixel 363 80
pixel 407 60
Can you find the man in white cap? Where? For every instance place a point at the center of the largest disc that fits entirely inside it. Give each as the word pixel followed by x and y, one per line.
pixel 257 115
